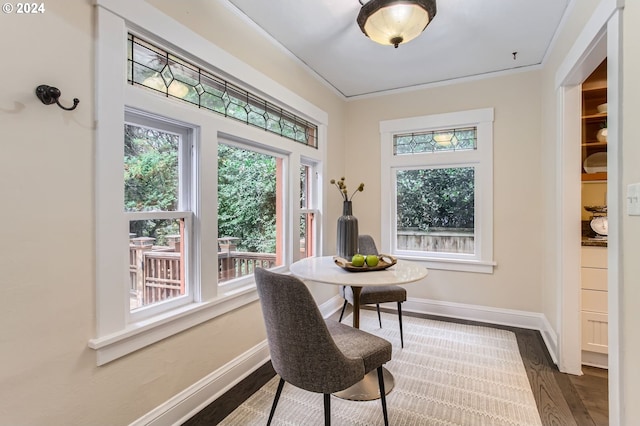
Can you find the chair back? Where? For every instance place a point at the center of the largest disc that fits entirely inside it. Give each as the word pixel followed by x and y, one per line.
pixel 366 245
pixel 302 350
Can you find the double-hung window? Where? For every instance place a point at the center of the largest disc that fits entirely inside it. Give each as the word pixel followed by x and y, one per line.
pixel 309 213
pixel 437 189
pixel 198 180
pixel 158 199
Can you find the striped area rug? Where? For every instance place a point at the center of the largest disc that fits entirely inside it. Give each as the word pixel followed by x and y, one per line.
pixel 447 374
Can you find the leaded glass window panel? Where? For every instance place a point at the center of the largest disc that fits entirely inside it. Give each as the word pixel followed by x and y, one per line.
pixel 154 68
pixel 435 141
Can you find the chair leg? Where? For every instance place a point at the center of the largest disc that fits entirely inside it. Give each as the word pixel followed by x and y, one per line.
pixel 343 308
pixel 327 409
pixel 275 400
pixel 400 321
pixel 383 396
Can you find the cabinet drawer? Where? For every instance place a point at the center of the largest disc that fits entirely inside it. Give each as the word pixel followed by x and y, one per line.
pixel 594 257
pixel 595 332
pixel 594 301
pixel 594 278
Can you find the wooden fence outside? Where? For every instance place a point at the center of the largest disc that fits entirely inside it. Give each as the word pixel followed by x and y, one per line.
pixel 440 241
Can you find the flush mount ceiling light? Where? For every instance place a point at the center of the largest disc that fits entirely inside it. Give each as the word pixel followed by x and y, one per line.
pixel 392 22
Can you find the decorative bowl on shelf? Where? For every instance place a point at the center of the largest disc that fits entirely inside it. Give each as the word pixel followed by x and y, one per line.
pixel 596 163
pixel 602 108
pixel 384 261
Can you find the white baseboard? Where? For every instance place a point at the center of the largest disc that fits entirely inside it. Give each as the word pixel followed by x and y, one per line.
pixel 595 359
pixel 509 317
pixel 193 399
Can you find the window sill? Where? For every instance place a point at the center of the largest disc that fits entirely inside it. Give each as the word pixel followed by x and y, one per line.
pixel 143 333
pixel 459 265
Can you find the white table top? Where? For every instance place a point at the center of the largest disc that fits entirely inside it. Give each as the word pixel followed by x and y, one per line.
pixel 324 270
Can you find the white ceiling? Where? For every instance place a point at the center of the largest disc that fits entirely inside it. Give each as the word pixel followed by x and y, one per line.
pixel 466 38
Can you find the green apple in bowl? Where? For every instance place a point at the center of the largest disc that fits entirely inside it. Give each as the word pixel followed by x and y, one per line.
pixel 372 260
pixel 358 260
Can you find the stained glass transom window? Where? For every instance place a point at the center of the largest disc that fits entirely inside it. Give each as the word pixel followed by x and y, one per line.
pixel 156 69
pixel 435 141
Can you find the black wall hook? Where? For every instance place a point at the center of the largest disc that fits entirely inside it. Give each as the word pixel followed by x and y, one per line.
pixel 49 95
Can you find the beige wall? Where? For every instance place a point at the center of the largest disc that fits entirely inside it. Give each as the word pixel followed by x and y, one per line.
pixel 630 290
pixel 515 284
pixel 47 373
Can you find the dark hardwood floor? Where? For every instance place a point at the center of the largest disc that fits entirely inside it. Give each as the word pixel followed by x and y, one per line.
pixel 562 399
pixel 592 388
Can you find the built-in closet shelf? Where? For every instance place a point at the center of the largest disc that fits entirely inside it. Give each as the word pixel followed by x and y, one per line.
pixel 592 122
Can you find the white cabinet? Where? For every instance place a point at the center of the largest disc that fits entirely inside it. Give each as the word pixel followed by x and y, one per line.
pixel 594 313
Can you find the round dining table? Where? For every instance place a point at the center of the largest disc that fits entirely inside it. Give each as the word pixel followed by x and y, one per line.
pixel 325 270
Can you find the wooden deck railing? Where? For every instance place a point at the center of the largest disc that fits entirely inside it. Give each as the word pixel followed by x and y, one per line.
pixel 236 264
pixel 156 272
pixel 162 277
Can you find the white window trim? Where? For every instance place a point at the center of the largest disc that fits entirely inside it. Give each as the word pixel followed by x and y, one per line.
pixel 115 336
pixel 481 159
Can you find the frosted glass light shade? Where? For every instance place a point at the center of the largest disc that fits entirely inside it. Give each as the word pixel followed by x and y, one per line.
pixel 391 22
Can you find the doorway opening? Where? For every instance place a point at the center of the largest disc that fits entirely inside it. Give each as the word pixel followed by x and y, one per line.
pixel 600 39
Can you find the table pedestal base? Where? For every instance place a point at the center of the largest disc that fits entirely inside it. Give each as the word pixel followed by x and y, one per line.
pixel 367 389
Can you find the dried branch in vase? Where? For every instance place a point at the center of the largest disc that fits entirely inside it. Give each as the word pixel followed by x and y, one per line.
pixel 342 187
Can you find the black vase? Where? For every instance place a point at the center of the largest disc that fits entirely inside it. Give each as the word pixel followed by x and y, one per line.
pixel 347 232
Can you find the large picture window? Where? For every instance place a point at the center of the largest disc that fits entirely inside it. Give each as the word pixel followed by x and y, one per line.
pixel 437 190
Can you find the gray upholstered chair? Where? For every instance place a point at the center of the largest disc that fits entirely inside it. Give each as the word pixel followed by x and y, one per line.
pixel 373 294
pixel 309 352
